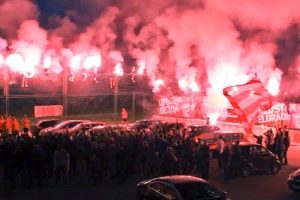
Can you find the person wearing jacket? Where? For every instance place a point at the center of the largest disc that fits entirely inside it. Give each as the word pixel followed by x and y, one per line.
pixel 61 164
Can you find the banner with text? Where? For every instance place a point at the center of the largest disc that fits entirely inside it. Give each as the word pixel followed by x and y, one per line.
pixel 281 114
pixel 47 111
pixel 177 106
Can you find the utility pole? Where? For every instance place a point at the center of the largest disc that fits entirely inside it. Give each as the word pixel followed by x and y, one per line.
pixel 116 91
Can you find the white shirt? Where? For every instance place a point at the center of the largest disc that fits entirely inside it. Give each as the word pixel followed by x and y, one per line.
pixel 220 146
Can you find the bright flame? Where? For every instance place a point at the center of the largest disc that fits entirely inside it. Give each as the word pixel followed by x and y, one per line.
pixel 142 67
pixel 156 85
pixel 15 62
pixel 118 70
pixel 273 86
pixel 213 118
pixel 47 62
pixel 75 62
pixel 92 61
pixel 191 85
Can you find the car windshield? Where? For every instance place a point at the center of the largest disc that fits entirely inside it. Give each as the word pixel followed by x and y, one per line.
pixel 65 124
pixel 210 136
pixel 197 191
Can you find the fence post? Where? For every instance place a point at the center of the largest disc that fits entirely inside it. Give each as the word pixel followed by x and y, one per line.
pixel 133 106
pixel 116 91
pixel 6 92
pixel 65 94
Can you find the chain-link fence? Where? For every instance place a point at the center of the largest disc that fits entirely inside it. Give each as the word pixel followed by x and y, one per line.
pixel 79 98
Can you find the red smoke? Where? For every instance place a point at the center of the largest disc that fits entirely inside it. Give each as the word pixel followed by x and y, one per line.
pixel 194 44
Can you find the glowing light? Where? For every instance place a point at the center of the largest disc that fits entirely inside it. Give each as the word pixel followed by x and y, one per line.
pixel 118 70
pixel 15 62
pixel 194 87
pixel 142 67
pixel 47 62
pixel 75 62
pixel 156 85
pixel 186 84
pixel 92 61
pixel 213 118
pixel 273 86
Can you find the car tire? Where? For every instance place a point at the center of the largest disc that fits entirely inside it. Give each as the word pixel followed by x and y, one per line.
pixel 275 168
pixel 246 171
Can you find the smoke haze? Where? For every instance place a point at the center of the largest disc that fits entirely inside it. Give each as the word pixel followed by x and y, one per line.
pixel 194 45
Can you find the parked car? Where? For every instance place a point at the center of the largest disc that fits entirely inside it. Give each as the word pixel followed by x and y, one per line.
pixel 178 187
pixel 252 158
pixel 174 125
pixel 294 181
pixel 229 137
pixel 85 126
pixel 42 124
pixel 144 124
pixel 62 126
pixel 197 130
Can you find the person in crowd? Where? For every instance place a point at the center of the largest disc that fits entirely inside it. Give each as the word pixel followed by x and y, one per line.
pixel 204 160
pixel 124 117
pixel 26 124
pixel 286 144
pixel 226 159
pixel 7 125
pixel 236 149
pixel 269 139
pixel 15 126
pixel 61 164
pixel 279 146
pixel 169 163
pixel 259 139
pixel 2 120
pixel 219 151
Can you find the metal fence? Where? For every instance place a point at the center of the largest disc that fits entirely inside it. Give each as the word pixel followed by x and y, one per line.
pixel 107 97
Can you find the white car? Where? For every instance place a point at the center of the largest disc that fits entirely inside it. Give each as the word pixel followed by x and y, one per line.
pixel 62 127
pixel 85 126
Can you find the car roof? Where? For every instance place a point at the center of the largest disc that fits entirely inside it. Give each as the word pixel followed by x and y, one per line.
pixel 226 132
pixel 51 119
pixel 178 179
pixel 245 144
pixel 197 125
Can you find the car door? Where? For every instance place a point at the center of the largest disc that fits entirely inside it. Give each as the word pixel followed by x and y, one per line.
pixel 263 159
pixel 156 191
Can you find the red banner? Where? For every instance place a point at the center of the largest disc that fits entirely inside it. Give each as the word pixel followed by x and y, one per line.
pixel 47 111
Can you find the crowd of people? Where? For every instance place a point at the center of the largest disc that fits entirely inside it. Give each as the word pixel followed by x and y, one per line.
pixel 110 154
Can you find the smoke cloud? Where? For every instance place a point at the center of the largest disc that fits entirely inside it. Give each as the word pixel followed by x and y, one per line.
pixel 191 46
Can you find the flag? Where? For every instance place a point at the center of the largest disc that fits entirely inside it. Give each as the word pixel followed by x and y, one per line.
pixel 247 100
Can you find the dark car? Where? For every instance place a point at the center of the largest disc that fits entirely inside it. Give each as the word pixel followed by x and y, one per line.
pixel 197 130
pixel 249 158
pixel 42 124
pixel 144 124
pixel 174 125
pixel 294 181
pixel 178 188
pixel 229 137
